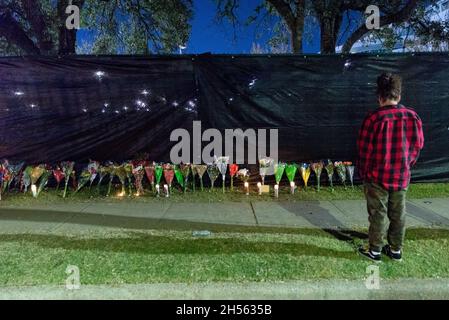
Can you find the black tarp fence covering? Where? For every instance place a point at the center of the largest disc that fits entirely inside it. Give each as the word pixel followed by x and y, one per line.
pixel 115 107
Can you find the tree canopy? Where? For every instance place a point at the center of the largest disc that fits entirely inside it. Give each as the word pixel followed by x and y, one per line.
pixel 117 26
pixel 32 27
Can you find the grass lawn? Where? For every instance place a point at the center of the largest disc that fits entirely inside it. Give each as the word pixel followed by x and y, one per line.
pixel 417 191
pixel 169 253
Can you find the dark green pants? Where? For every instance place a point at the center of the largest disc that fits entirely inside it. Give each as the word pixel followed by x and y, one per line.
pixel 382 204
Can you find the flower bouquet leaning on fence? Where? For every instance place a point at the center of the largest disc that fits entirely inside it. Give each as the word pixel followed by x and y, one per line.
pixel 222 165
pixel 330 169
pixel 185 170
pixel 213 172
pixel 103 171
pixel 129 177
pixel 110 168
pixel 169 174
pixel 36 174
pixel 158 172
pixel 5 176
pixel 58 174
pixel 93 168
pixel 317 168
pixel 350 171
pixel 305 173
pixel 13 173
pixel 279 169
pixel 200 170
pixel 43 181
pixel 243 175
pixel 138 172
pixel 67 169
pixel 233 168
pixel 83 179
pixel 264 166
pixel 26 179
pixel 341 172
pixel 149 172
pixel 290 171
pixel 120 172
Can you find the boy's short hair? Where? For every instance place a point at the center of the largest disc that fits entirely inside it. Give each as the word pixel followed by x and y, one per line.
pixel 389 86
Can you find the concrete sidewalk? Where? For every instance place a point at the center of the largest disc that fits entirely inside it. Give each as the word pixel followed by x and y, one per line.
pixel 414 289
pixel 348 214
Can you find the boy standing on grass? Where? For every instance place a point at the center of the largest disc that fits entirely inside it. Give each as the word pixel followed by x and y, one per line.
pixel 389 144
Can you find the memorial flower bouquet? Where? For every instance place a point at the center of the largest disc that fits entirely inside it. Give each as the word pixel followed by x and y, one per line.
pixel 67 169
pixel 350 171
pixel 120 172
pixel 185 170
pixel 317 168
pixel 222 165
pixel 305 173
pixel 213 172
pixel 138 172
pixel 26 178
pixel 36 174
pixel 341 172
pixel 129 176
pixel 265 164
pixel 93 168
pixel 58 174
pixel 83 179
pixel 279 169
pixel 169 174
pixel 233 169
pixel 13 172
pixel 200 170
pixel 149 172
pixel 290 171
pixel 330 169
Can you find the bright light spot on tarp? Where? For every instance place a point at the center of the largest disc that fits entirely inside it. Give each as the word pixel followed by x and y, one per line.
pixel 99 74
pixel 145 92
pixel 252 83
pixel 84 110
pixel 32 106
pixel 18 93
pixel 175 104
pixel 191 104
pixel 125 108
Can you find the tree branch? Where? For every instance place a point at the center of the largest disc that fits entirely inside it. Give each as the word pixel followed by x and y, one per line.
pixel 14 34
pixel 397 17
pixel 284 10
pixel 34 15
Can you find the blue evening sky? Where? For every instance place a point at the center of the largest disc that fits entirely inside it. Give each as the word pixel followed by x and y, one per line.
pixel 209 36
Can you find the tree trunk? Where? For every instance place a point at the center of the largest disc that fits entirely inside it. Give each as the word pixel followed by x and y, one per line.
pixel 297 36
pixel 67 38
pixel 330 28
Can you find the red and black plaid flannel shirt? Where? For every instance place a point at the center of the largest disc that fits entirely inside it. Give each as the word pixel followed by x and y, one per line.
pixel 389 144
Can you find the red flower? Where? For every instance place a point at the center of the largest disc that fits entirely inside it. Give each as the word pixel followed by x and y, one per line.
pixel 58 174
pixel 233 168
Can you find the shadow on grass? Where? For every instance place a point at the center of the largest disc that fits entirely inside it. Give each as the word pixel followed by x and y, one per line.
pixel 149 244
